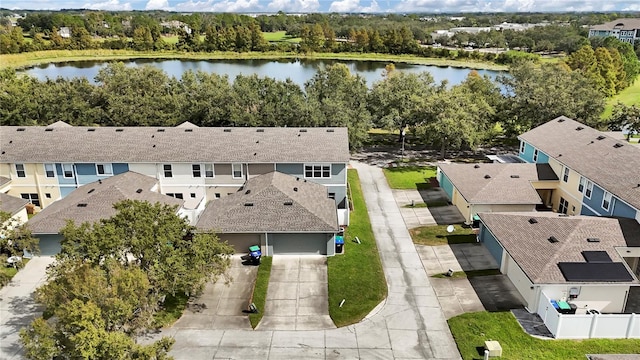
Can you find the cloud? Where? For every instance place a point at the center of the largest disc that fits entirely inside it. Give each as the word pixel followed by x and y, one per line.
pixel 158 5
pixel 219 6
pixel 353 6
pixel 114 5
pixel 294 5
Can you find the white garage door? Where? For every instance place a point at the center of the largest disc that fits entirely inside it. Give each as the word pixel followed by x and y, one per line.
pixel 241 242
pixel 298 243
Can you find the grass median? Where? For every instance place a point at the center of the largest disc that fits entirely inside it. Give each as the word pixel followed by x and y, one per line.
pixel 471 330
pixel 356 276
pixel 438 235
pixel 260 290
pixel 410 177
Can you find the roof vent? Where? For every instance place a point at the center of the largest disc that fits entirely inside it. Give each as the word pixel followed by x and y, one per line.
pixel 259 130
pixel 476 166
pixel 160 130
pixel 552 239
pixel 515 176
pixel 579 128
pixel 3 153
pixel 298 179
pixel 20 129
pixel 90 191
pixel 560 120
pixel 139 191
pixel 288 203
pixel 601 137
pixel 487 176
pixel 533 221
pixel 188 130
pixel 119 130
pixel 91 129
pixel 248 204
pixel 593 240
pixel 295 189
pixel 329 130
pixel 48 129
pixel 618 145
pixel 247 192
pixel 227 130
pixel 303 130
pixel 82 205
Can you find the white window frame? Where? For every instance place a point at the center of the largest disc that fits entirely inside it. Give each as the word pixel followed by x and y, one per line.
pixel 606 199
pixel 106 167
pixel 522 146
pixel 198 171
pixel 176 195
pixel 165 171
pixel 233 171
pixel 565 174
pixel 64 172
pixel 32 197
pixel 21 170
pixel 53 170
pixel 212 171
pixel 564 205
pixel 535 155
pixel 582 184
pixel 588 189
pixel 317 171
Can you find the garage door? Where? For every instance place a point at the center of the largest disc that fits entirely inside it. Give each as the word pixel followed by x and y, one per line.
pixel 298 243
pixel 49 244
pixel 241 242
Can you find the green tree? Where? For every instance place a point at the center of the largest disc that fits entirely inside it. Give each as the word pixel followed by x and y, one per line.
pixel 142 39
pixel 625 117
pixel 605 68
pixel 207 99
pixel 311 38
pixel 16 237
pixel 81 39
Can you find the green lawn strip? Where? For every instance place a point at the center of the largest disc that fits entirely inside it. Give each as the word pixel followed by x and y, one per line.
pixel 34 58
pixel 628 96
pixel 280 36
pixel 471 330
pixel 260 290
pixel 8 272
pixel 356 276
pixel 438 235
pixel 409 177
pixel 171 311
pixel 468 274
pixel 430 204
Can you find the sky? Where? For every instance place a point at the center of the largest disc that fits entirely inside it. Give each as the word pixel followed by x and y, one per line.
pixel 397 6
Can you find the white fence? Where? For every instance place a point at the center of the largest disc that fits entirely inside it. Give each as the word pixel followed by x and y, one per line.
pixel 585 326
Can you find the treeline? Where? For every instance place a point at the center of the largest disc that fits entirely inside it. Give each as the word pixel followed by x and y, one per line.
pixel 455 117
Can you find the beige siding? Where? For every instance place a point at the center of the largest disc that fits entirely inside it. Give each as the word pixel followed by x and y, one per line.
pixel 259 169
pixel 519 280
pixel 568 190
pixel 462 205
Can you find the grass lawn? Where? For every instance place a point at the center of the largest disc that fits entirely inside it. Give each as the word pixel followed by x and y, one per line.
pixel 356 275
pixel 468 274
pixel 280 36
pixel 628 96
pixel 260 290
pixel 409 177
pixel 171 311
pixel 471 330
pixel 8 272
pixel 438 235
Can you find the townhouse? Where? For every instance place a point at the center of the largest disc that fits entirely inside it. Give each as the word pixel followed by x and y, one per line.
pixel 195 164
pixel 625 30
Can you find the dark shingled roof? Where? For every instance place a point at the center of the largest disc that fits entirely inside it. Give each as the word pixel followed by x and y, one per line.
pixel 11 204
pixel 4 180
pixel 173 144
pixel 273 202
pixel 616 169
pixel 528 244
pixel 99 197
pixel 496 183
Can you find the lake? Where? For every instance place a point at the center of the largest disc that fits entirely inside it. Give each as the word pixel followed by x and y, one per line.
pixel 299 71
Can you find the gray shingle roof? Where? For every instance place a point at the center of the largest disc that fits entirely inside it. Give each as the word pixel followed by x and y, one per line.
pixel 4 180
pixel 500 187
pixel 309 209
pixel 99 197
pixel 183 144
pixel 616 169
pixel 11 204
pixel 628 24
pixel 529 246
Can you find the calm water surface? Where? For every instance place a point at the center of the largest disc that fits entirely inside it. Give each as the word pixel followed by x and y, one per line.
pixel 299 71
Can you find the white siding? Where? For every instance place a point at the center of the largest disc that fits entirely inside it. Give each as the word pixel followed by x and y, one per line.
pixel 519 280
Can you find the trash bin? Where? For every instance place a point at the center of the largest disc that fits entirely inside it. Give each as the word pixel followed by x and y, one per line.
pixel 255 254
pixel 339 244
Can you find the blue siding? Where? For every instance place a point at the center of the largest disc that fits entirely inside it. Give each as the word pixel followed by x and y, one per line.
pixel 616 208
pixel 119 168
pixel 490 242
pixel 621 209
pixel 586 211
pixel 542 158
pixel 446 185
pixel 61 179
pixel 527 155
pixel 66 190
pixel 87 173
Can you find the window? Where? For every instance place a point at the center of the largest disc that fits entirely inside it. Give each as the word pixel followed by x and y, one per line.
pixel 50 170
pixel 606 200
pixel 196 170
pixel 565 174
pixel 237 171
pixel 176 195
pixel 317 171
pixel 588 189
pixel 20 170
pixel 208 171
pixel 522 147
pixel 564 205
pixel 33 198
pixel 104 169
pixel 535 155
pixel 168 172
pixel 583 181
pixel 67 170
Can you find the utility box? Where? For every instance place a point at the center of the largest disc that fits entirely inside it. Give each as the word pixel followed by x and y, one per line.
pixel 495 350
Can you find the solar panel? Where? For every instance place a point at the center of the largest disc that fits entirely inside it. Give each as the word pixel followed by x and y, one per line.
pixel 595 272
pixel 596 256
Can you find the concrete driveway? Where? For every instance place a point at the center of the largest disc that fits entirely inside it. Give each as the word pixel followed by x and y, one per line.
pixel 222 303
pixel 17 308
pixel 297 294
